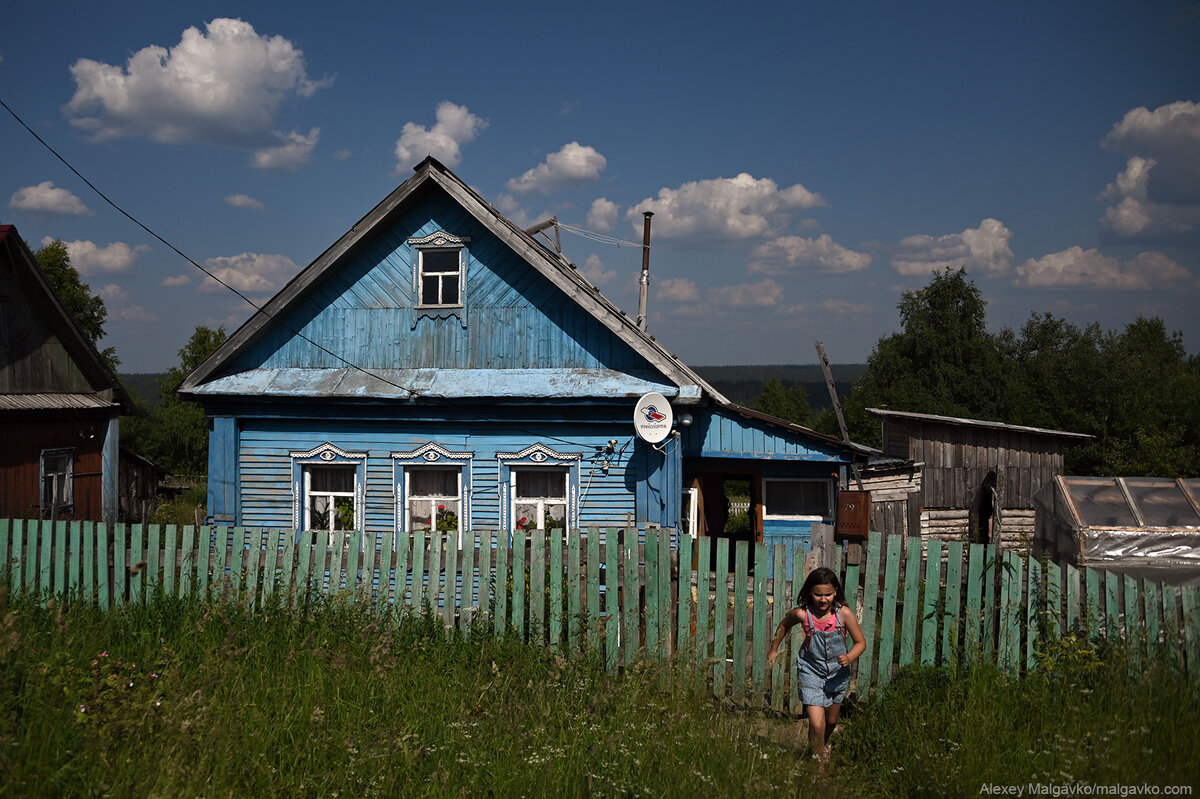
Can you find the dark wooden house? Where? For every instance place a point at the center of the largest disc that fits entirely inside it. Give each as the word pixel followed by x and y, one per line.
pixel 437 367
pixel 59 402
pixel 978 478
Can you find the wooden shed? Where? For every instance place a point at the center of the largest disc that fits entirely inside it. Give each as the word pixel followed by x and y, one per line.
pixel 978 477
pixel 59 402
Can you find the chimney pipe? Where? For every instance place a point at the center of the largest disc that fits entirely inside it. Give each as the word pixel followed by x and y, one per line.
pixel 644 293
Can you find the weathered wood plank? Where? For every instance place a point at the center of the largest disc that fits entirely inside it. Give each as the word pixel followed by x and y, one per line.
pixel 952 612
pixel 703 616
pixel 170 558
pixel 595 620
pixel 741 565
pixel 870 597
pixel 254 556
pixel 1037 610
pixel 758 632
pixel 631 597
pixel 1112 605
pixel 574 590
pixel 45 573
pixel 138 569
pixel 469 605
pixel 75 557
pixel 417 598
pixel 720 619
pixel 683 596
pixel 652 608
pixel 537 589
pixel 1191 631
pixel 891 583
pixel 519 577
pixel 1135 632
pixel 796 636
pixel 779 608
pixel 929 614
pixel 977 574
pixel 89 561
pixel 500 621
pixel 450 602
pixel 612 610
pixel 103 572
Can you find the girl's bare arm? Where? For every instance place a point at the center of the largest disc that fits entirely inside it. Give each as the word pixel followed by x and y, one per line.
pixel 856 635
pixel 790 620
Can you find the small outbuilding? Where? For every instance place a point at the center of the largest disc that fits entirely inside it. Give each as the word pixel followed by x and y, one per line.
pixel 1141 526
pixel 978 478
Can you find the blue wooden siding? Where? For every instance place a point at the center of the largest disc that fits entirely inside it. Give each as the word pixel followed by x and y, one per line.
pixel 514 316
pixel 604 497
pixel 719 433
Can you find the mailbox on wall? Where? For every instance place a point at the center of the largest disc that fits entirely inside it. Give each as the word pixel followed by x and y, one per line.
pixel 853 514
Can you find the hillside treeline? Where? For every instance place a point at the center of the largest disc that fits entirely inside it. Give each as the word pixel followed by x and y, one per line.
pixel 1135 389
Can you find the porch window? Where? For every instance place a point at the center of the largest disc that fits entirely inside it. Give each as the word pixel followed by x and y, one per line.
pixel 57 485
pixel 434 500
pixel 439 278
pixel 797 499
pixel 540 498
pixel 330 498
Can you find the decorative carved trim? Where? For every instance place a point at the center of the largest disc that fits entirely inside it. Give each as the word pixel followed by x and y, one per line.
pixel 439 238
pixel 539 453
pixel 432 453
pixel 328 452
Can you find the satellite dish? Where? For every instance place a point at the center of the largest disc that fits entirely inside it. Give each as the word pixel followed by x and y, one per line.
pixel 652 417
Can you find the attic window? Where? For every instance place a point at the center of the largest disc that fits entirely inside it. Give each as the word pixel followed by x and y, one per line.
pixel 440 278
pixel 439 269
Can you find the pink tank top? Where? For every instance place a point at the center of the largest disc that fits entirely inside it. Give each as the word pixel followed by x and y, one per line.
pixel 812 624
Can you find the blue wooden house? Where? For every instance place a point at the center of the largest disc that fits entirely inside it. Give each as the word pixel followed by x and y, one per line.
pixel 438 368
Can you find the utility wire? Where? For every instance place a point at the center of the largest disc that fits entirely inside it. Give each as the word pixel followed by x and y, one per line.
pixel 599 237
pixel 185 257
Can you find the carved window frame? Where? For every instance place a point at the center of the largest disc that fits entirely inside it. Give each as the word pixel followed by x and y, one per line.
pixel 533 456
pixel 440 241
pixel 435 455
pixel 328 455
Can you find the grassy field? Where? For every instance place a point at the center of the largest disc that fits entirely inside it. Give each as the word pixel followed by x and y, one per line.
pixel 188 698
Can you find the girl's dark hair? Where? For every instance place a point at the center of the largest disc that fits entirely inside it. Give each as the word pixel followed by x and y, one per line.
pixel 821 576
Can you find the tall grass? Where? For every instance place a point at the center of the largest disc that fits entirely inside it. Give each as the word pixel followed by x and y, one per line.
pixel 192 697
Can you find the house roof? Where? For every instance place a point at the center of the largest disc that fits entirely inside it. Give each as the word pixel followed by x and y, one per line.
pixel 211 378
pixel 857 451
pixel 44 301
pixel 979 423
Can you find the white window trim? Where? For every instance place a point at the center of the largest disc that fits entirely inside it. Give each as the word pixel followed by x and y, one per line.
pixel 327 455
pixel 440 240
pixel 691 503
pixel 431 454
pixel 534 456
pixel 767 515
pixel 68 481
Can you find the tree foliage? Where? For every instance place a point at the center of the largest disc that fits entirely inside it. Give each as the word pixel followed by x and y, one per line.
pixel 789 403
pixel 1135 389
pixel 175 433
pixel 87 309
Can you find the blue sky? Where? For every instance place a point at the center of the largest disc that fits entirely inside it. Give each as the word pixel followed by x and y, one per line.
pixel 806 163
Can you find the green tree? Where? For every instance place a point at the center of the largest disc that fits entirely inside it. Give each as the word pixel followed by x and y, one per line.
pixel 175 433
pixel 943 361
pixel 87 309
pixel 789 403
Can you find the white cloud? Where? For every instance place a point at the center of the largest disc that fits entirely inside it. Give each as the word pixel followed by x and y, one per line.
pixel 724 208
pixel 89 258
pixel 1157 195
pixel 175 281
pixel 795 254
pixel 119 306
pixel 675 289
pixel 244 201
pixel 1079 268
pixel 762 294
pixel 341 155
pixel 292 153
pixel 603 215
pixel 249 273
pixel 45 199
pixel 573 165
pixel 983 251
pixel 455 126
pixel 222 86
pixel 593 269
pixel 830 306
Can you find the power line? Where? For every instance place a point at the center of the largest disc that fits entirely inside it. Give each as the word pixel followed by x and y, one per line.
pixel 599 237
pixel 185 257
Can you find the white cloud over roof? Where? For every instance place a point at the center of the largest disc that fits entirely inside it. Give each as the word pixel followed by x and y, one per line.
pixel 741 207
pixel 603 215
pixel 982 250
pixel 249 273
pixel 244 201
pixel 573 165
pixel 223 86
pixel 455 126
pixel 1076 267
pixel 789 254
pixel 89 258
pixel 44 198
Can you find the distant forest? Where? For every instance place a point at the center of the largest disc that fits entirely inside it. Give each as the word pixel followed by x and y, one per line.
pixel 744 384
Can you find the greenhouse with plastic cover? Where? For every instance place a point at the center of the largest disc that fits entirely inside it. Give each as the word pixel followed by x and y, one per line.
pixel 1141 526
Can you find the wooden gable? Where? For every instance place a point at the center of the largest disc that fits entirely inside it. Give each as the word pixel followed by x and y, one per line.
pixel 42 350
pixel 350 324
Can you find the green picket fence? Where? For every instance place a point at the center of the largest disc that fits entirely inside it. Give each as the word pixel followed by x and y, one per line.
pixel 626 595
